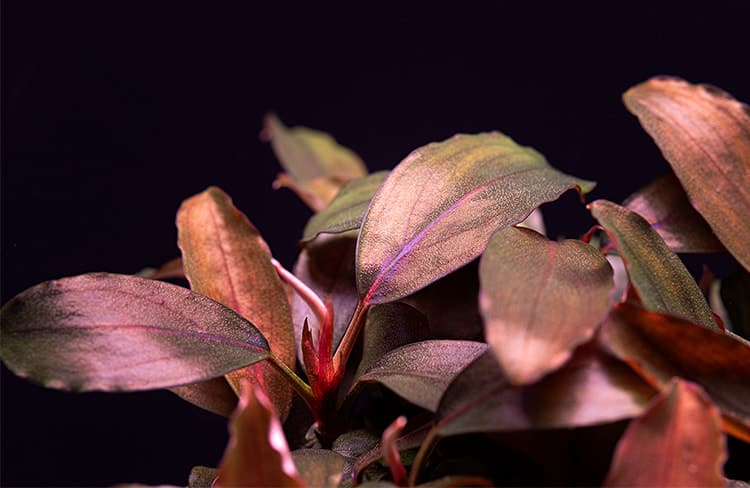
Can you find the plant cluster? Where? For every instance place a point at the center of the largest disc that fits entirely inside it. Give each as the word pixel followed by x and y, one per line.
pixel 432 333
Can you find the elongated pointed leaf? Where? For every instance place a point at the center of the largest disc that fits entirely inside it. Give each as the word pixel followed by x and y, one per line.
pixel 215 395
pixel 316 165
pixel 662 281
pixel 257 454
pixel 592 388
pixel 226 259
pixel 319 467
pixel 704 133
pixel 437 210
pixel 410 440
pixel 677 442
pixel 421 372
pixel 540 299
pixel 117 332
pixel 665 205
pixel 659 347
pixel 346 211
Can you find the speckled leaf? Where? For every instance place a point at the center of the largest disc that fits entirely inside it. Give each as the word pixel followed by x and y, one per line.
pixel 345 212
pixel 215 395
pixel 592 388
pixel 540 299
pixel 202 477
pixel 421 372
pixel 664 205
pixel 117 332
pixel 257 454
pixel 660 346
pixel 704 133
pixel 662 281
pixel 677 442
pixel 226 259
pixel 319 467
pixel 316 165
pixel 326 265
pixel 438 208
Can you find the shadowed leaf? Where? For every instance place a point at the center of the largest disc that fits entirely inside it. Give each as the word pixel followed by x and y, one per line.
pixel 202 477
pixel 226 259
pixel 345 212
pixel 659 347
pixel 677 442
pixel 117 332
pixel 390 450
pixel 409 440
pixel 438 208
pixel 316 166
pixel 592 388
pixel 421 372
pixel 170 269
pixel 735 296
pixel 664 205
pixel 540 299
pixel 662 281
pixel 215 395
pixel 319 467
pixel 257 454
pixel 704 133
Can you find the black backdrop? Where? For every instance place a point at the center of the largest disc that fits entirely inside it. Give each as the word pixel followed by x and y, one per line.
pixel 115 112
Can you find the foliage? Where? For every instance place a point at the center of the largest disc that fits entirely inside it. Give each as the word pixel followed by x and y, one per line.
pixel 376 327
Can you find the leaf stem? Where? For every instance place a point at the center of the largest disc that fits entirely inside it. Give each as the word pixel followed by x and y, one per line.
pixel 350 337
pixel 424 451
pixel 302 388
pixel 305 292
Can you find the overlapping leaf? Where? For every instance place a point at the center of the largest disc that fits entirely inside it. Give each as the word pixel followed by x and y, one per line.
pixel 319 468
pixel 437 210
pixel 226 259
pixel 660 346
pixel 316 166
pixel 592 388
pixel 345 212
pixel 540 299
pixel 677 442
pixel 214 395
pixel 662 281
pixel 704 133
pixel 117 332
pixel 664 204
pixel 421 372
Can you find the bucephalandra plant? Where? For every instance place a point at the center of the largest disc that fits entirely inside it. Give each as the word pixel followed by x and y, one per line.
pixel 435 334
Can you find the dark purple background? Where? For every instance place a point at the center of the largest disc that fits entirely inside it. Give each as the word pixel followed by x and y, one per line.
pixel 113 112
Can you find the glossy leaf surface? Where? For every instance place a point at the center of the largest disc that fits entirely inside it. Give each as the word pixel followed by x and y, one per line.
pixel 665 205
pixel 438 208
pixel 540 299
pixel 592 388
pixel 226 259
pixel 346 211
pixel 677 442
pixel 662 281
pixel 117 332
pixel 319 467
pixel 257 454
pixel 704 133
pixel 316 165
pixel 214 395
pixel 659 347
pixel 421 372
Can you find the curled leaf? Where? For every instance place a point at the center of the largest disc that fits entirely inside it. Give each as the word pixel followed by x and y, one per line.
pixel 704 133
pixel 437 210
pixel 390 450
pixel 540 299
pixel 677 442
pixel 116 332
pixel 662 281
pixel 214 395
pixel 226 259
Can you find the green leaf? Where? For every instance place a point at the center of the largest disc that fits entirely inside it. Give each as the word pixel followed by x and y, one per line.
pixel 117 332
pixel 316 165
pixel 662 281
pixel 659 347
pixel 319 467
pixel 438 208
pixel 664 205
pixel 345 212
pixel 704 133
pixel 214 395
pixel 421 372
pixel 540 299
pixel 677 442
pixel 226 259
pixel 592 388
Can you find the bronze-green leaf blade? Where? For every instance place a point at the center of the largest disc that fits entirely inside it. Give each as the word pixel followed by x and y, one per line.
pixel 704 133
pixel 438 208
pixel 116 332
